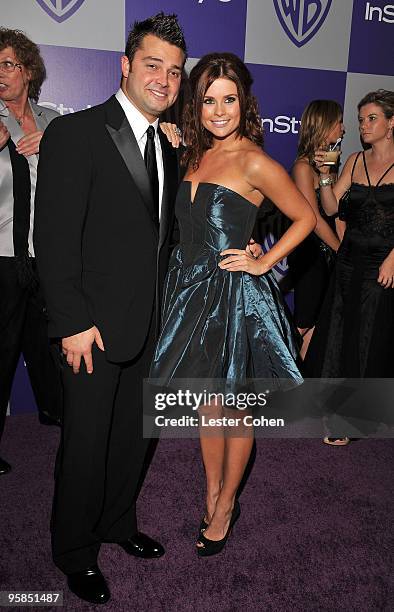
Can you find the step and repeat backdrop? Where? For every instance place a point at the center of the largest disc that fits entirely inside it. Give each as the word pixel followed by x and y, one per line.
pixel 297 51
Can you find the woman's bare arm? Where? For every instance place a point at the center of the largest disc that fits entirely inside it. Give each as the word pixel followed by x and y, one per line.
pixel 303 176
pixel 271 180
pixel 331 194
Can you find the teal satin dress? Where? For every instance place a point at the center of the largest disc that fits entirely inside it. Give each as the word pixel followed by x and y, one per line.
pixel 217 324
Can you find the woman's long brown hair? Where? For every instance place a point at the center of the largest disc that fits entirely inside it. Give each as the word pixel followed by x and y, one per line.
pixel 211 67
pixel 317 120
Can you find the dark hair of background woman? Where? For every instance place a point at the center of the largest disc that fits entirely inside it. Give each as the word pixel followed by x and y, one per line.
pixel 317 120
pixel 28 54
pixel 211 67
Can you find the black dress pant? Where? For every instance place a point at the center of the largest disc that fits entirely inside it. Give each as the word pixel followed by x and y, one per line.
pixel 24 329
pixel 101 457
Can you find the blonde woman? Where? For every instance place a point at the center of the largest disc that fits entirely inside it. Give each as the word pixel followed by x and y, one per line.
pixel 311 262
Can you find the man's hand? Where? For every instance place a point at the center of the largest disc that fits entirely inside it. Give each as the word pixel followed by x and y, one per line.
pixel 4 135
pixel 30 144
pixel 80 345
pixel 173 133
pixel 254 249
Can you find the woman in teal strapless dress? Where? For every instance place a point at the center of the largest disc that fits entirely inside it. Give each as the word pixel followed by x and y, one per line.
pixel 223 316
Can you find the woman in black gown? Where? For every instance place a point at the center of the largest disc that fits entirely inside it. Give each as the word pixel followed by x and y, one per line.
pixel 354 337
pixel 223 315
pixel 311 262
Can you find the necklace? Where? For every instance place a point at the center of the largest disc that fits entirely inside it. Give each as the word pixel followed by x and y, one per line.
pixel 20 120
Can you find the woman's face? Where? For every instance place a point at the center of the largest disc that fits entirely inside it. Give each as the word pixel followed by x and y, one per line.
pixel 221 112
pixel 373 124
pixel 337 131
pixel 13 85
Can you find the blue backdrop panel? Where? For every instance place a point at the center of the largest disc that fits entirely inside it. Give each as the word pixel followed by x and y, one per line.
pixel 211 25
pixel 78 78
pixel 372 40
pixel 283 93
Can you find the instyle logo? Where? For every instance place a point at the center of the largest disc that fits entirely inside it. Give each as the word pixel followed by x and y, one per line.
pixel 301 19
pixel 378 13
pixel 282 124
pixel 60 10
pixel 60 108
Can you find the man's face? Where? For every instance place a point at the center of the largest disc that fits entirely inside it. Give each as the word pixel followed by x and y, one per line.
pixel 13 85
pixel 153 79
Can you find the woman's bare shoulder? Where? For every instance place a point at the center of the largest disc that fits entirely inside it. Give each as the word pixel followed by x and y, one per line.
pixel 348 166
pixel 352 157
pixel 256 162
pixel 302 168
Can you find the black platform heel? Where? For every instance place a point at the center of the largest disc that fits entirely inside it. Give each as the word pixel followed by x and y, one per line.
pixel 213 547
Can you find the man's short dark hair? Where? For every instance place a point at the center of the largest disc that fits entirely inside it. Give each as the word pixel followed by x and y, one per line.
pixel 165 27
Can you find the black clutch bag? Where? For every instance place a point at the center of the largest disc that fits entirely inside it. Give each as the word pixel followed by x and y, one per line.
pixel 343 205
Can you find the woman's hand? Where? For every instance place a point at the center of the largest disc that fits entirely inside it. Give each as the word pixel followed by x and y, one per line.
pixel 30 144
pixel 319 160
pixel 4 135
pixel 386 272
pixel 173 133
pixel 238 260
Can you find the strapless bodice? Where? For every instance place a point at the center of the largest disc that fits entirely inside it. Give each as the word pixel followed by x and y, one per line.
pixel 218 218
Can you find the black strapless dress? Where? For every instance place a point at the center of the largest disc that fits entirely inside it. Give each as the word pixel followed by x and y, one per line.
pixel 354 336
pixel 217 324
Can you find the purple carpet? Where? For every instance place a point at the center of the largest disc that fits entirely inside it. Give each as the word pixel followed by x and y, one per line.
pixel 315 533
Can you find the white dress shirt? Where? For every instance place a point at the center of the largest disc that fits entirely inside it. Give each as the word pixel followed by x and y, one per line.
pixel 6 187
pixel 139 124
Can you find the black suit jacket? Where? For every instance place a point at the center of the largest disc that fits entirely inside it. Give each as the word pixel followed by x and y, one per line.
pixel 101 255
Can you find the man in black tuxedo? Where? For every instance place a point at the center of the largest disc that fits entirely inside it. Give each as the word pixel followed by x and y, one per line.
pixel 104 222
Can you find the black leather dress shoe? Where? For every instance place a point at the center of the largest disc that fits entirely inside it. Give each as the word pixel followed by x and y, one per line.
pixel 4 467
pixel 49 419
pixel 141 545
pixel 90 585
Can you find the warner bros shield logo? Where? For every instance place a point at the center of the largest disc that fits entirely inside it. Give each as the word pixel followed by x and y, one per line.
pixel 60 10
pixel 301 19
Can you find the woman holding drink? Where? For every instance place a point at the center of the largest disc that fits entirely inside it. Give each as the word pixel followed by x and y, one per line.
pixel 311 262
pixel 354 337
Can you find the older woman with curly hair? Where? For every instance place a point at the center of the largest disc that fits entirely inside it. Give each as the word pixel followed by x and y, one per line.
pixel 224 321
pixel 23 326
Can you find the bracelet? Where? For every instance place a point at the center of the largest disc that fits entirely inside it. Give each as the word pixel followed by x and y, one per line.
pixel 325 182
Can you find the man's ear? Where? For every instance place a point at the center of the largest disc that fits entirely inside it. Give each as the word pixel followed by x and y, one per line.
pixel 126 66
